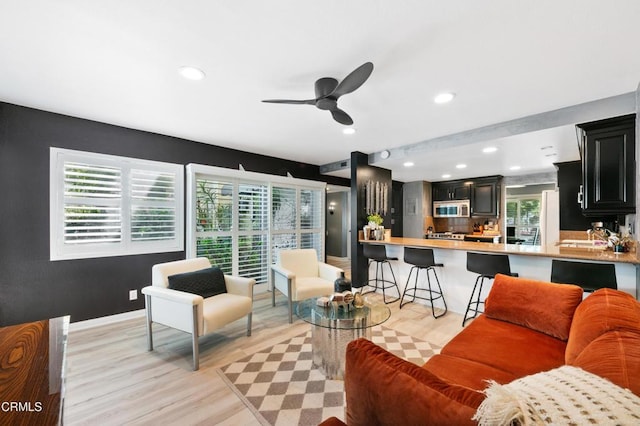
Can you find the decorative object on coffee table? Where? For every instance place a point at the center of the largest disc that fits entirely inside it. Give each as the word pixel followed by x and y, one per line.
pixel 342 284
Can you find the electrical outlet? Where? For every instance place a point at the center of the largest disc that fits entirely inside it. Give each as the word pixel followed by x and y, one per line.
pixel 133 294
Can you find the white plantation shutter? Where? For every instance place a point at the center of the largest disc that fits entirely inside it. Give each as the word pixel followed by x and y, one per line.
pixel 311 220
pixel 241 220
pixel 214 222
pixel 284 219
pixel 253 231
pixel 102 205
pixel 153 210
pixel 92 205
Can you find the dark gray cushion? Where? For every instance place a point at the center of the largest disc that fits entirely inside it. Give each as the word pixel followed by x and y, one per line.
pixel 205 282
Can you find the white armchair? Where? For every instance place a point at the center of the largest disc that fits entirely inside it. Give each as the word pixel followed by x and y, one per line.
pixel 299 276
pixel 191 312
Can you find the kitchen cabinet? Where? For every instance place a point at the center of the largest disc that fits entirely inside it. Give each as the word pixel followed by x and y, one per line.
pixel 485 197
pixel 451 190
pixel 569 181
pixel 608 166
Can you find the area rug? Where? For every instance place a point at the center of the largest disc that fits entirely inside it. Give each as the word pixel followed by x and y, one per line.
pixel 281 386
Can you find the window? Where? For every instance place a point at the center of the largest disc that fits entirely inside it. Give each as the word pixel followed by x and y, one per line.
pixel 241 220
pixel 103 205
pixel 523 213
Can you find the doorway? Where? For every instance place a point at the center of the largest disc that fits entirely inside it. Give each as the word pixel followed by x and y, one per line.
pixel 338 220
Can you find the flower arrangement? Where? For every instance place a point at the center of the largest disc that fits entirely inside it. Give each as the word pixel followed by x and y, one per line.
pixel 621 244
pixel 375 219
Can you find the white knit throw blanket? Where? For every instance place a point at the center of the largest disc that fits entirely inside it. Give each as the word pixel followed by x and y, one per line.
pixel 564 396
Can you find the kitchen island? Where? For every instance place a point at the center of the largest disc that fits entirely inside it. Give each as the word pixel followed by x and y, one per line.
pixel 528 261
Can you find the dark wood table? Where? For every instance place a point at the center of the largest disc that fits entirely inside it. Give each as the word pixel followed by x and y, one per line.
pixel 32 372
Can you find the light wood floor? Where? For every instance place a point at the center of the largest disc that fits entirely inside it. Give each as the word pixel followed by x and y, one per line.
pixel 112 379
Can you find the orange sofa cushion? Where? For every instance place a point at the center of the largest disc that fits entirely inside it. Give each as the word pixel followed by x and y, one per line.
pixel 405 394
pixel 464 372
pixel 538 305
pixel 514 349
pixel 602 311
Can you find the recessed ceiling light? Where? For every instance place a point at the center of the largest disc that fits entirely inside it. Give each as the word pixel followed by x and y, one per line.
pixel 489 149
pixel 385 154
pixel 446 176
pixel 408 164
pixel 191 73
pixel 514 168
pixel 443 98
pixel 348 130
pixel 461 166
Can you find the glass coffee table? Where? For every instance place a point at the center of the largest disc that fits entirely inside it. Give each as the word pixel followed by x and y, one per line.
pixel 334 327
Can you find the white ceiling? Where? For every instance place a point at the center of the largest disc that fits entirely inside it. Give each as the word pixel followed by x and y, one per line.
pixel 116 62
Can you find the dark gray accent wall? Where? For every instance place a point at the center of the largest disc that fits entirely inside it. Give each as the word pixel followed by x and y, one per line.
pixel 31 286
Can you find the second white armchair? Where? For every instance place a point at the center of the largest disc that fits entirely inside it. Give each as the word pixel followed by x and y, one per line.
pixel 299 275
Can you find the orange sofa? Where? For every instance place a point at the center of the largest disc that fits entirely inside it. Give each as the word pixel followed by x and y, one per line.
pixel 528 327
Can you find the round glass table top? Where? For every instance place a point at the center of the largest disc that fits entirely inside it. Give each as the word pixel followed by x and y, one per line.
pixel 337 317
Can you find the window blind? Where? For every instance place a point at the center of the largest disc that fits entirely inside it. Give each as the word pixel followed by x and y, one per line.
pixel 104 205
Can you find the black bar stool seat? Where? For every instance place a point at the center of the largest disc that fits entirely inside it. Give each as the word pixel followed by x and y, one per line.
pixel 589 276
pixel 486 266
pixel 422 260
pixel 378 253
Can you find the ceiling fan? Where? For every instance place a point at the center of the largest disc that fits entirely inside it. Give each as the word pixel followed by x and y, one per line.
pixel 328 90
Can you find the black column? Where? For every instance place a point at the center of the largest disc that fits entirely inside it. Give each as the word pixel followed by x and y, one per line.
pixel 361 173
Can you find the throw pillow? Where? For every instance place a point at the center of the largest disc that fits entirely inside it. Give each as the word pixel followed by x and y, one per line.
pixel 205 282
pixel 538 305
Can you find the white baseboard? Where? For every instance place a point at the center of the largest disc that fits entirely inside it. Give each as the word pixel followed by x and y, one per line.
pixel 96 322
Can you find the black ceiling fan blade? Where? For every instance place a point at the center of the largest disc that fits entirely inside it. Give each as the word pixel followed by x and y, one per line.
pixel 325 86
pixel 290 101
pixel 341 117
pixel 353 80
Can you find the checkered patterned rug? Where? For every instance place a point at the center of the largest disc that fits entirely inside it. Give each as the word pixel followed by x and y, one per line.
pixel 282 387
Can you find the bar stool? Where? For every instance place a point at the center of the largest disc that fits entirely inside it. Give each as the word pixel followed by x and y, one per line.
pixel 378 254
pixel 486 266
pixel 589 276
pixel 422 259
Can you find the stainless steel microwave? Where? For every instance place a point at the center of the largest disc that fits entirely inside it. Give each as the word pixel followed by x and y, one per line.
pixel 451 208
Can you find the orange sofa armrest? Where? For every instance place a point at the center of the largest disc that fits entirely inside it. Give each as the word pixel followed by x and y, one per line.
pixel 383 389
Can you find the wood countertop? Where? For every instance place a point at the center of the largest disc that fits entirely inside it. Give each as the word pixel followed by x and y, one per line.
pixel 515 249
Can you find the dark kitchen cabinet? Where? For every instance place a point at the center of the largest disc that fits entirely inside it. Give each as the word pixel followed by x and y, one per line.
pixel 569 181
pixel 485 197
pixel 451 190
pixel 608 166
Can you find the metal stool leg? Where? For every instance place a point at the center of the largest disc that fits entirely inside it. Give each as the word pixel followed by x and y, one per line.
pixel 477 302
pixel 406 287
pixel 439 292
pixel 394 282
pixel 372 288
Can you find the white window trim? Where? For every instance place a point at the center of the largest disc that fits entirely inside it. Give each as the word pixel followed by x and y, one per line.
pixel 60 251
pixel 194 171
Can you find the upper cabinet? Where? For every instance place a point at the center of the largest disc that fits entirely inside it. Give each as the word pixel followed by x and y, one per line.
pixel 608 166
pixel 451 190
pixel 485 197
pixel 483 193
